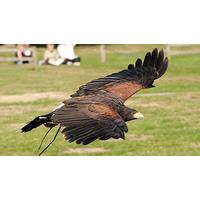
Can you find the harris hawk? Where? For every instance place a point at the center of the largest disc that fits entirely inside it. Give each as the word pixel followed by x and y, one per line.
pixel 97 110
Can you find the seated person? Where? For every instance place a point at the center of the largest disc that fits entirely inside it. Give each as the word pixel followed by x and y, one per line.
pixel 66 51
pixel 51 56
pixel 23 51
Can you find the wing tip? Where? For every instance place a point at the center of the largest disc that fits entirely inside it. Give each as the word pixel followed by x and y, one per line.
pixel 163 68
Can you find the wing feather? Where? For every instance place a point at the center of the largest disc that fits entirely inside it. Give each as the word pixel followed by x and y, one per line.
pixel 85 123
pixel 129 81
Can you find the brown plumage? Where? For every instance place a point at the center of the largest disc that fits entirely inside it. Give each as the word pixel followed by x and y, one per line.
pixel 97 110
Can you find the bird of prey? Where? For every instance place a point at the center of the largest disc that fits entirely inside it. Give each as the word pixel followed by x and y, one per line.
pixel 97 109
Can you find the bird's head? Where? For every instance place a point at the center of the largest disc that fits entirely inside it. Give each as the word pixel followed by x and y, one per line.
pixel 133 114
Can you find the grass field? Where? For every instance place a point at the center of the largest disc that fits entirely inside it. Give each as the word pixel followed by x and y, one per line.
pixel 170 127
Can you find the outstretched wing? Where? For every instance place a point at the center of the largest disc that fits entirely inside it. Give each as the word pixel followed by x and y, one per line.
pixel 85 123
pixel 127 82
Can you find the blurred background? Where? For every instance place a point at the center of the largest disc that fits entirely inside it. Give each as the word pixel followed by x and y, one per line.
pixel 34 78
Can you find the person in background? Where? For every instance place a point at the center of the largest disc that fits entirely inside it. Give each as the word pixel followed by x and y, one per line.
pixel 66 52
pixel 23 51
pixel 51 56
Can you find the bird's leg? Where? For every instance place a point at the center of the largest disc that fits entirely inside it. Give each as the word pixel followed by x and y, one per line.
pixel 50 142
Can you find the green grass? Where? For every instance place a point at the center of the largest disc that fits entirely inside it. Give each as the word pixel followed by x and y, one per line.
pixel 171 123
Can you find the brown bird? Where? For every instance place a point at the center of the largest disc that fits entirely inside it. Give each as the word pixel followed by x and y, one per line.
pixel 97 110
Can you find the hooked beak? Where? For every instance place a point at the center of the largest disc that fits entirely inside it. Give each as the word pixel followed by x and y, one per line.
pixel 138 115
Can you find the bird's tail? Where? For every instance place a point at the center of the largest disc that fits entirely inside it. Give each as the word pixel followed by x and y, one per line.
pixel 38 121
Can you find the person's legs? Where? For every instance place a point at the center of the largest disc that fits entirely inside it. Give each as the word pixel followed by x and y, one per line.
pixel 43 62
pixel 59 61
pixel 75 61
pixel 67 61
pixel 55 62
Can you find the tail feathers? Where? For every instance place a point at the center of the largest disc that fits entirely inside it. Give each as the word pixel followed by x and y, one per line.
pixel 38 121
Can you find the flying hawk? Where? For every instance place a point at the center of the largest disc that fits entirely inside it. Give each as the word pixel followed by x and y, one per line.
pixel 97 109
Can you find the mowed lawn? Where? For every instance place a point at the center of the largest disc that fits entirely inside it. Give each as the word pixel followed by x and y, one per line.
pixel 172 121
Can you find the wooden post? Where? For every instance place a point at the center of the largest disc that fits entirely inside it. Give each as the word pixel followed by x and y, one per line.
pixel 34 55
pixel 102 53
pixel 168 50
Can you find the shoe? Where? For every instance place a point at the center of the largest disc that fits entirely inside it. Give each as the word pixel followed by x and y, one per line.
pixel 69 63
pixel 77 63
